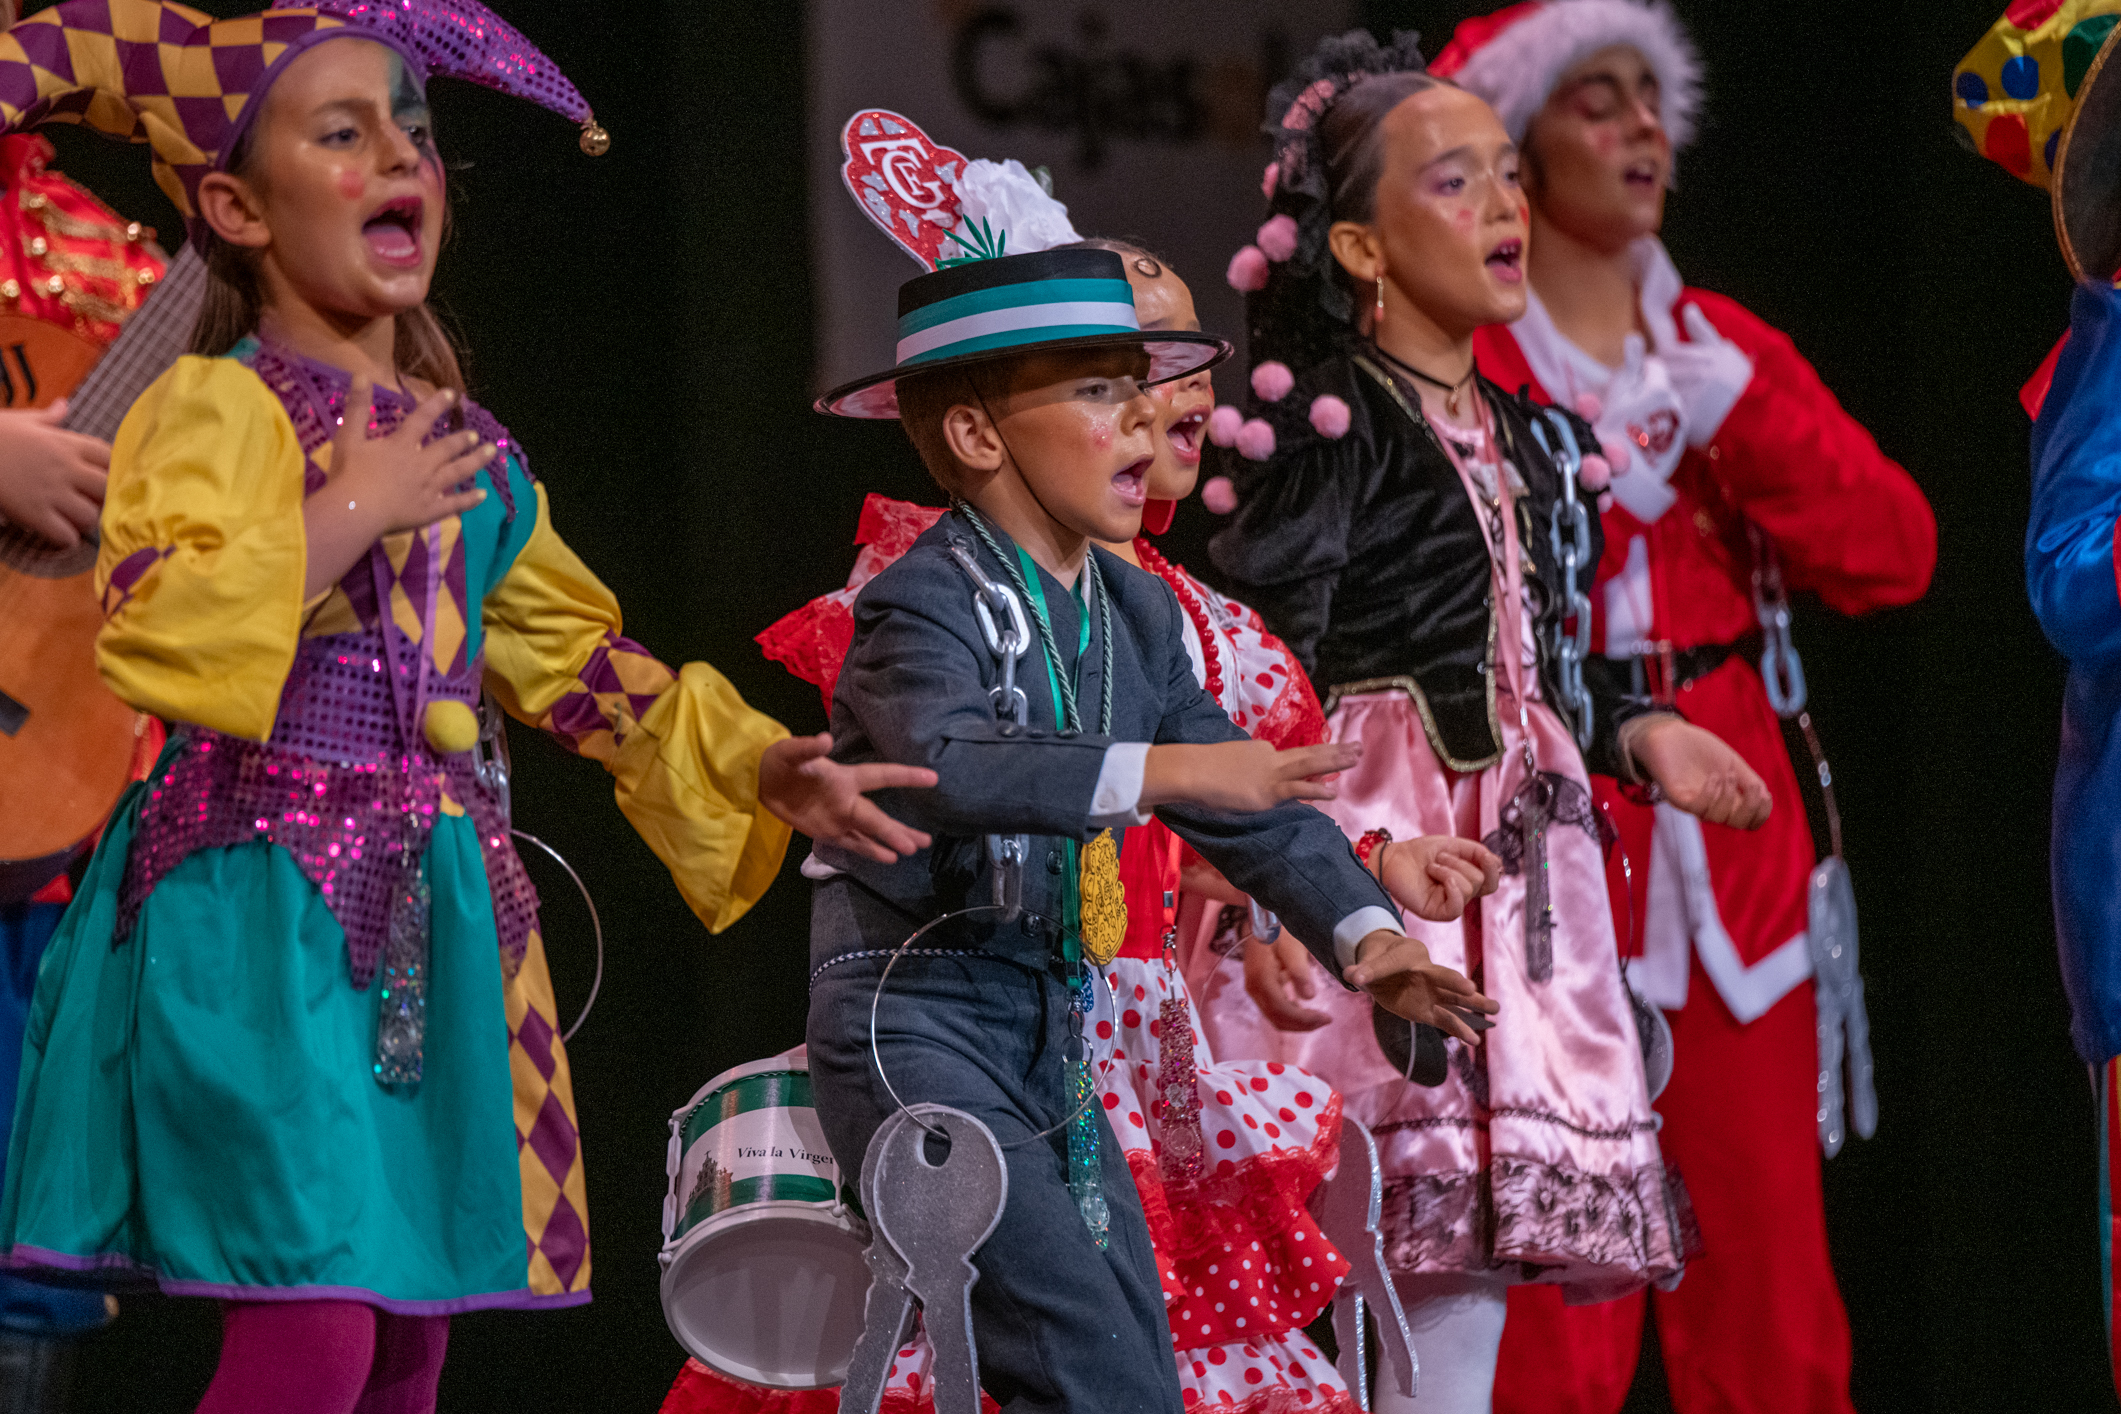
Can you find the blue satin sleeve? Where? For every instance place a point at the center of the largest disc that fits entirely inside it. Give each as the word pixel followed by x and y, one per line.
pixel 2069 544
pixel 2070 577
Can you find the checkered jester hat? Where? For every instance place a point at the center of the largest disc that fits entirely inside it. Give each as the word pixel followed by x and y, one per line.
pixel 189 85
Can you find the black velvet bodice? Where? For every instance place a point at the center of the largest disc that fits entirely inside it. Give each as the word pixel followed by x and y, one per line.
pixel 1365 555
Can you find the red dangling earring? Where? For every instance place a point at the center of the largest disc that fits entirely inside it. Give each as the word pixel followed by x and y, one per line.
pixel 1377 321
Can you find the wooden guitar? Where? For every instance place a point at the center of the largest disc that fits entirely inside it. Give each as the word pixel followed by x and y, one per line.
pixel 66 743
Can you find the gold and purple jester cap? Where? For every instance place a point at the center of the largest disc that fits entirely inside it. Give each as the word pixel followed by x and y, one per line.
pixel 188 85
pixel 2016 91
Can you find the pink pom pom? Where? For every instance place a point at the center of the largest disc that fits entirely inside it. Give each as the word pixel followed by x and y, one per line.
pixel 1255 441
pixel 1272 380
pixel 1597 473
pixel 1329 415
pixel 1248 270
pixel 1270 179
pixel 1219 496
pixel 1277 239
pixel 1605 503
pixel 1588 407
pixel 1223 424
pixel 1618 456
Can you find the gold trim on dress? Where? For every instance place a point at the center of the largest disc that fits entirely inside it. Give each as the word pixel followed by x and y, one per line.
pixel 1401 682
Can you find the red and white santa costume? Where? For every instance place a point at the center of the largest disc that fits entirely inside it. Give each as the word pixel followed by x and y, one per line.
pixel 1725 426
pixel 1245 1267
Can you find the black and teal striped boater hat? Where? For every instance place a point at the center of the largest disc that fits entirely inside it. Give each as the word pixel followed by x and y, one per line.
pixel 982 310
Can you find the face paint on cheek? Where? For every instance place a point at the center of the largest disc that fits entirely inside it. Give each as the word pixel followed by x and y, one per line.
pixel 1101 434
pixel 352 185
pixel 408 109
pixel 1462 219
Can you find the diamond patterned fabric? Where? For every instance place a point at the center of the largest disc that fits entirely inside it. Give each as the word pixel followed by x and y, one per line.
pixel 187 84
pixel 548 1143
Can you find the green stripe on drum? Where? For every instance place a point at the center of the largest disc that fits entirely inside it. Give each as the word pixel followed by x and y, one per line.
pixel 767 1188
pixel 770 1090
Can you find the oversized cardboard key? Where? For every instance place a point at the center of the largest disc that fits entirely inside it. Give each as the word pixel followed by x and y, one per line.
pixel 930 1215
pixel 1347 1207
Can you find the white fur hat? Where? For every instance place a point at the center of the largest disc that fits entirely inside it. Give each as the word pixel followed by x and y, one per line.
pixel 1514 57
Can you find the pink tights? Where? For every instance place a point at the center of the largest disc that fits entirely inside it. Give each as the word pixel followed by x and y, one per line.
pixel 325 1357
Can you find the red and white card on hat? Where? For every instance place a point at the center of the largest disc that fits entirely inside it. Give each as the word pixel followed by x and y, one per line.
pixel 904 179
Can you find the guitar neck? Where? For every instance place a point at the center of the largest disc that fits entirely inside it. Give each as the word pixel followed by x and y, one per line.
pixel 158 333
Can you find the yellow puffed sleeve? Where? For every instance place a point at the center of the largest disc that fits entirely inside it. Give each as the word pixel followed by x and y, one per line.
pixel 203 550
pixel 684 746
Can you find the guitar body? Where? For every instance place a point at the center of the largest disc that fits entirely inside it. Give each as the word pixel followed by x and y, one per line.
pixel 71 752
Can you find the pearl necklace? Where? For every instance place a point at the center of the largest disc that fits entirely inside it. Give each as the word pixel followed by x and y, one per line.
pixel 1163 569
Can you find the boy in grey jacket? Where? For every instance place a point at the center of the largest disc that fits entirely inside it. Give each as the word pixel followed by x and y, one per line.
pixel 1023 382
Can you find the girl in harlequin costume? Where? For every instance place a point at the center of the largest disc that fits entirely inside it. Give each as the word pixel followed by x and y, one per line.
pixel 1391 525
pixel 294 1045
pixel 1726 449
pixel 2041 95
pixel 1264 1134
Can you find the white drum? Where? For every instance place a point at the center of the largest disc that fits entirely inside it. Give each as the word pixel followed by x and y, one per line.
pixel 763 1272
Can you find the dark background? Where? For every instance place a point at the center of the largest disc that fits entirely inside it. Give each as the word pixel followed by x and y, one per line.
pixel 642 322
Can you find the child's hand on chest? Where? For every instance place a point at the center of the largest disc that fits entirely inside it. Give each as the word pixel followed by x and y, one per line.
pixel 401 484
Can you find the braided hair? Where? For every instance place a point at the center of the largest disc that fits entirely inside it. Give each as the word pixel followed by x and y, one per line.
pixel 1325 122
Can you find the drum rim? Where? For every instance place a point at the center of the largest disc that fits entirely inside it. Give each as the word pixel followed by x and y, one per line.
pixel 837 1207
pixel 838 1215
pixel 786 1061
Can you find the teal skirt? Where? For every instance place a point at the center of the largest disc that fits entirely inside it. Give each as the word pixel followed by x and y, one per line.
pixel 198 1107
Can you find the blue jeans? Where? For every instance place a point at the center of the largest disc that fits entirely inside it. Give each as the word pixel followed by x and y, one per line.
pixel 1060 1325
pixel 26 1307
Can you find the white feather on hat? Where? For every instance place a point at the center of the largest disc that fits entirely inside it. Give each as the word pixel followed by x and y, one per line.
pixel 1513 59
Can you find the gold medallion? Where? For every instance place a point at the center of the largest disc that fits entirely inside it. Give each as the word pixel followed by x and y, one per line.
pixel 1104 901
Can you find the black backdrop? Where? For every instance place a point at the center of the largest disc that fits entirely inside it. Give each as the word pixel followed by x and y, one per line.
pixel 642 322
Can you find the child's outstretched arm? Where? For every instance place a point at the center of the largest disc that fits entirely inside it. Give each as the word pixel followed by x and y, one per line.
pixel 711 784
pixel 1242 773
pixel 1244 806
pixel 799 782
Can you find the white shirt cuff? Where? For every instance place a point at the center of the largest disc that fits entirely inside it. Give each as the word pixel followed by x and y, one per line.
pixel 1360 924
pixel 1116 803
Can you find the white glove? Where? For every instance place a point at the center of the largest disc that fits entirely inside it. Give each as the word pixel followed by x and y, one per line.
pixel 1639 426
pixel 1710 373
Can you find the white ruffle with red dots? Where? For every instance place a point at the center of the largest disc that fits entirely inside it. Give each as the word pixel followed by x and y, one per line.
pixel 1261 689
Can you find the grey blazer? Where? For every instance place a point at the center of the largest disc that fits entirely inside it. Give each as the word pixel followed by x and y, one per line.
pixel 914 691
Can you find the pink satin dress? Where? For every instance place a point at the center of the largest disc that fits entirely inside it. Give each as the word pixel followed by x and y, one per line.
pixel 1537 1158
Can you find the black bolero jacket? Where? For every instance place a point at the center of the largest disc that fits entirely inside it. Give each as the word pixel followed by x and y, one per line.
pixel 1365 555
